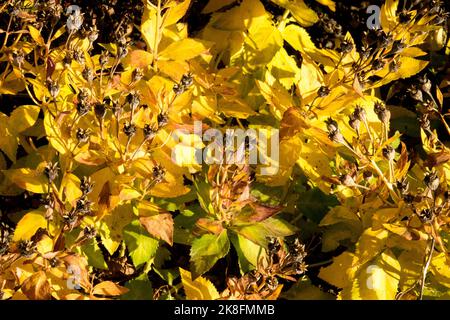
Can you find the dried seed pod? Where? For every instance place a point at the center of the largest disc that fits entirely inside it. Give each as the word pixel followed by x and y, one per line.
pixel 134 100
pixel 137 75
pixel 388 153
pixel 122 52
pixel 383 114
pixel 149 132
pixel 346 47
pixel 89 232
pixel 403 186
pixel 93 34
pixel 129 129
pixel 425 84
pixel 347 180
pixel 426 215
pixel 323 91
pixel 74 21
pixel 163 119
pixel 78 55
pixel 100 110
pixel 87 74
pixel 398 46
pixel 83 108
pixel 51 171
pixel 86 185
pixel 27 248
pixel 178 89
pixel 18 58
pixel 82 135
pixel 336 136
pixel 332 125
pixel 187 80
pixel 360 114
pixel 378 64
pixel 415 93
pixel 53 88
pixel 432 180
pixel 158 173
pixel 354 123
pixel 104 58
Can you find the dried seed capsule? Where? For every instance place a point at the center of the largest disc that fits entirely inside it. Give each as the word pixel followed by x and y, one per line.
pixel 378 64
pixel 394 66
pixel 83 206
pixel 134 100
pixel 332 125
pixel 74 21
pixel 403 186
pixel 129 129
pixel 100 110
pixel 149 132
pixel 89 232
pixel 86 185
pixel 354 123
pixel 137 75
pixel 158 173
pixel 83 108
pixel 53 88
pixel 398 46
pixel 67 61
pixel 83 96
pixel 82 135
pixel 323 91
pixel 178 89
pixel 426 215
pixel 385 41
pixel 336 136
pixel 388 153
pixel 360 114
pixel 78 55
pixel 425 84
pixel 432 180
pixel 27 248
pixel 51 171
pixel 347 180
pixel 104 58
pixel 425 122
pixel 93 34
pixel 187 80
pixel 346 47
pixel 383 114
pixel 87 74
pixel 415 93
pixel 18 58
pixel 163 120
pixel 122 52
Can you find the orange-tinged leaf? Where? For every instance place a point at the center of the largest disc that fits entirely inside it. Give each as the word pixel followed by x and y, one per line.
pixel 159 226
pixel 37 287
pixel 109 288
pixel 185 49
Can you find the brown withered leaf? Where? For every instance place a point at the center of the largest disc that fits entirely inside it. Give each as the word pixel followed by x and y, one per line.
pixel 292 123
pixel 36 287
pixel 109 288
pixel 210 225
pixel 159 226
pixel 438 158
pixel 262 212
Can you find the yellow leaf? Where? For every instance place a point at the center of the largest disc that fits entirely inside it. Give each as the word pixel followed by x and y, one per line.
pixel 198 289
pixel 29 224
pixel 440 267
pixel 342 271
pixel 28 179
pixel 214 5
pixel 301 12
pixel 109 288
pixel 176 12
pixel 23 117
pixel 184 50
pixel 37 287
pixel 389 19
pixel 378 280
pixel 329 3
pixel 138 59
pixel 71 186
pixel 36 35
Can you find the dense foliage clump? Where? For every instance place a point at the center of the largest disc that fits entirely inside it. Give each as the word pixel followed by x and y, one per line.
pixel 101 199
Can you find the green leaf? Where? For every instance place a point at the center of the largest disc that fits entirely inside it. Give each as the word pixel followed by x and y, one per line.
pixel 94 255
pixel 206 250
pixel 315 204
pixel 140 289
pixel 141 246
pixel 248 252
